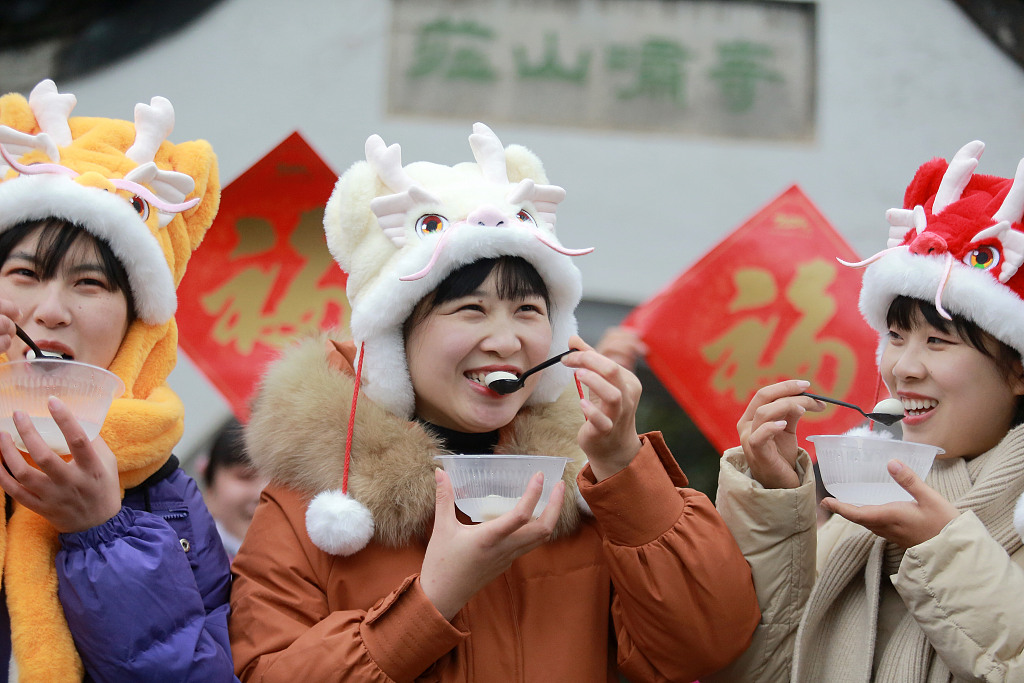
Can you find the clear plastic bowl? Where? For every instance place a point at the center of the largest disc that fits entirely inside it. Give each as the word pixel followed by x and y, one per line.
pixel 86 390
pixel 853 468
pixel 488 486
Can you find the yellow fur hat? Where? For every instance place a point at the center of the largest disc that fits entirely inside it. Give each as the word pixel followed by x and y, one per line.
pixel 151 201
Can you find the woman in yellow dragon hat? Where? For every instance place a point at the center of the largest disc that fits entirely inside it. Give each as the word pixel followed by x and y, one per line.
pixel 112 567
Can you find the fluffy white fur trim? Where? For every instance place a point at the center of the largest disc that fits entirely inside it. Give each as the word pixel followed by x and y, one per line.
pixel 106 216
pixel 384 304
pixel 338 524
pixel 971 293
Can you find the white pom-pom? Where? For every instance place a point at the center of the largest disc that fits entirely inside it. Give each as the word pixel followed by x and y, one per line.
pixel 338 524
pixel 1018 516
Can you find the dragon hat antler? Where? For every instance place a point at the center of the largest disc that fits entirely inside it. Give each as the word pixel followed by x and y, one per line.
pixel 957 242
pixel 400 230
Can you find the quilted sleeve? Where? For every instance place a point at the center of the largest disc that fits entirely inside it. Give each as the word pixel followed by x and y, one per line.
pixel 775 529
pixel 137 607
pixel 683 603
pixel 963 590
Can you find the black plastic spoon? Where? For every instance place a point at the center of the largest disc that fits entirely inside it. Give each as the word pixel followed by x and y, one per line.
pixel 32 345
pixel 505 382
pixel 882 418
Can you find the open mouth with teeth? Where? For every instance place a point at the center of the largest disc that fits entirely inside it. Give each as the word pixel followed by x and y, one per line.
pixel 918 406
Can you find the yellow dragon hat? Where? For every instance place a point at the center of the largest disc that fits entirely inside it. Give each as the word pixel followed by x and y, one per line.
pixel 151 201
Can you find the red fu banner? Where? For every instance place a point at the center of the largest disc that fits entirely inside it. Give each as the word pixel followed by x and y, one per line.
pixel 768 303
pixel 263 274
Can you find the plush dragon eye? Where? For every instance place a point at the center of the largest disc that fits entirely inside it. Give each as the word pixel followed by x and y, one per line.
pixel 141 206
pixel 984 258
pixel 525 217
pixel 430 224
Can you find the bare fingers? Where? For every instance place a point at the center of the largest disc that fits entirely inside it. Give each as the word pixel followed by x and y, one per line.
pixel 522 513
pixel 614 391
pixel 77 440
pixel 15 473
pixel 42 454
pixel 8 314
pixel 777 402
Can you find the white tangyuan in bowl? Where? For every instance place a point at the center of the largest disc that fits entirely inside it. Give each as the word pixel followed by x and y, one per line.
pixel 488 486
pixel 854 468
pixel 27 385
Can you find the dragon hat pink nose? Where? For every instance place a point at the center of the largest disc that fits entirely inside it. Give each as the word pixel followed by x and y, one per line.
pixel 928 244
pixel 488 215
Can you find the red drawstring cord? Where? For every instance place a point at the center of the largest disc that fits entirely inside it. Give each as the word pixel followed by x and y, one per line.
pixel 579 390
pixel 352 418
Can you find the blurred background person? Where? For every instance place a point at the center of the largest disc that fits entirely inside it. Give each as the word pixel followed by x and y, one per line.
pixel 231 485
pixel 623 345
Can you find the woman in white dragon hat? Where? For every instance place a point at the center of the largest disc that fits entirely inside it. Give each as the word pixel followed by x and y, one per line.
pixel 112 567
pixel 920 591
pixel 357 565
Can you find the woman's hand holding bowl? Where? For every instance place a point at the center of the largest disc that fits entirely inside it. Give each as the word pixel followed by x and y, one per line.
pixel 73 495
pixel 463 558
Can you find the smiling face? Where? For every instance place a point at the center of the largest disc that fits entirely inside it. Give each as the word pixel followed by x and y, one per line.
pixel 956 397
pixel 458 342
pixel 233 495
pixel 72 306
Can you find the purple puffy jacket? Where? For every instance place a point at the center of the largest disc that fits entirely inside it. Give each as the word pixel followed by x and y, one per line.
pixel 146 593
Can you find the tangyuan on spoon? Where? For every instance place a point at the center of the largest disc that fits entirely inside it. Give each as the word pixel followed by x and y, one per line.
pixel 33 349
pixel 888 406
pixel 501 382
pixel 888 411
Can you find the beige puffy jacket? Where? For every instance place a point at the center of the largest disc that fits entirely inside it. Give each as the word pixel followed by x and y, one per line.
pixel 961 587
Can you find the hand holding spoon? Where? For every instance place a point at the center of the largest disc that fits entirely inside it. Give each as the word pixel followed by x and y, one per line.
pixel 888 411
pixel 502 382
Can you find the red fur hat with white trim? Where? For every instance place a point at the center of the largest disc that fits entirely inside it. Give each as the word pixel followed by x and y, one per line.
pixel 958 241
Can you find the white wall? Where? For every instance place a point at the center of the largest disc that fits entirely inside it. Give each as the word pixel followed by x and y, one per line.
pixel 899 83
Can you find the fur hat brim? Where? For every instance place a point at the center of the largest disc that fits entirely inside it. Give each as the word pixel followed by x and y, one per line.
pixel 973 294
pixel 105 216
pixel 378 319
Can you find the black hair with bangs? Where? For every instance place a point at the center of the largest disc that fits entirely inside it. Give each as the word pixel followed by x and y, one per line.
pixel 903 315
pixel 56 238
pixel 515 278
